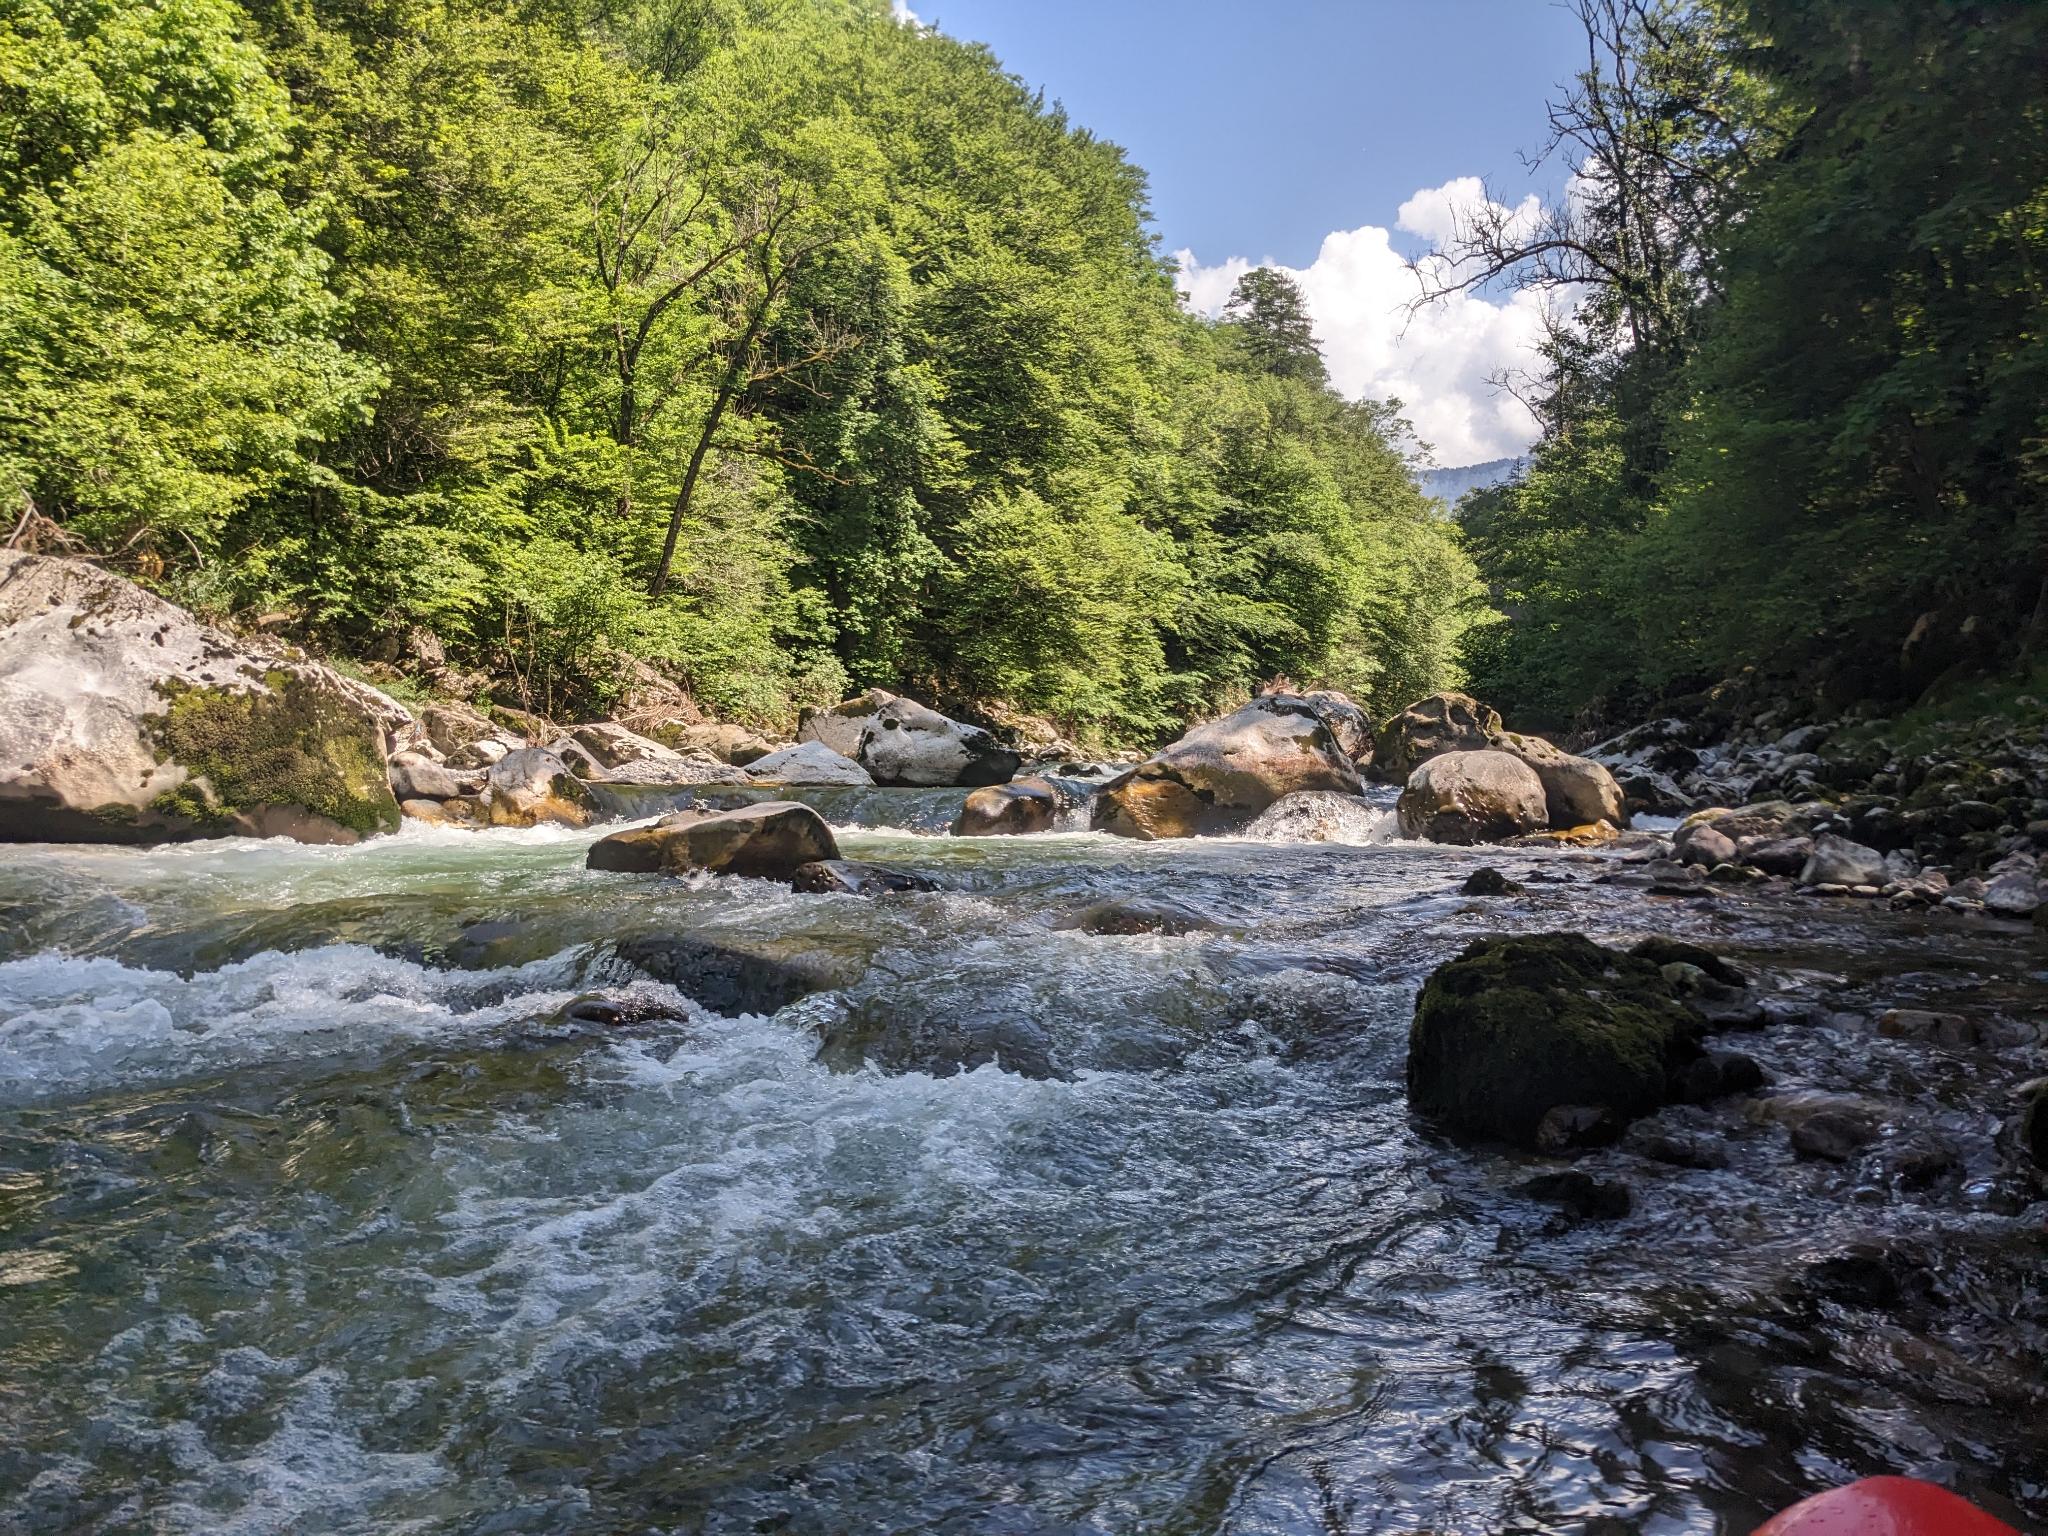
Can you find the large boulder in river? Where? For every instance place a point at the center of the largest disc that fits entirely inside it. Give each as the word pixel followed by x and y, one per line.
pixel 1007 810
pixel 1472 797
pixel 124 719
pixel 809 762
pixel 840 726
pixel 1222 774
pixel 1347 722
pixel 533 786
pixel 904 743
pixel 1443 722
pixel 1576 790
pixel 1517 1027
pixel 772 840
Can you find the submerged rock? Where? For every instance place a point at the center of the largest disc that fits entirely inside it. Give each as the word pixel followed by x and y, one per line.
pixel 1443 722
pixel 731 979
pixel 124 719
pixel 903 743
pixel 1220 775
pixel 1126 916
pixel 1490 882
pixel 1580 1193
pixel 1321 816
pixel 1472 797
pixel 808 762
pixel 851 877
pixel 1514 1027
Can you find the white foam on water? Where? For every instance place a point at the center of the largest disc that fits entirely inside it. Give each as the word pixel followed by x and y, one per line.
pixel 69 1024
pixel 313 1469
pixel 1344 820
pixel 733 1151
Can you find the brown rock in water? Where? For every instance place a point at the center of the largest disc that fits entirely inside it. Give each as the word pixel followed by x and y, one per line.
pixel 771 840
pixel 1443 722
pixel 1471 797
pixel 1005 810
pixel 1577 791
pixel 1220 775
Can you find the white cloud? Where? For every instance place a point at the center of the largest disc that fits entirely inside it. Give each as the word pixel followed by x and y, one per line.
pixel 1437 360
pixel 904 13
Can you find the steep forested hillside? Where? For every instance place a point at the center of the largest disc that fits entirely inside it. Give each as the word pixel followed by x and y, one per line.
pixel 775 342
pixel 1797 426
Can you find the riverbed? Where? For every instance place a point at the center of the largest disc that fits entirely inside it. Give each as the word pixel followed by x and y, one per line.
pixel 391 1189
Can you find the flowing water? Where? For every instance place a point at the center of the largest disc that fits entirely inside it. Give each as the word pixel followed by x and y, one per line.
pixel 328 1203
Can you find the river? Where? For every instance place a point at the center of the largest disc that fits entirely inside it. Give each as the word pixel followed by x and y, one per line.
pixel 329 1204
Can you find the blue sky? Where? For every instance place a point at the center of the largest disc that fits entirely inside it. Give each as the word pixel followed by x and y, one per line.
pixel 1326 137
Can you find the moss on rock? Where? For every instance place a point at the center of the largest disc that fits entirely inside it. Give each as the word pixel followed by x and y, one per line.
pixel 294 744
pixel 1516 1026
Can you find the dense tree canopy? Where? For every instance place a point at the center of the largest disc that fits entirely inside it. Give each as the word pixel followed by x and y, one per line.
pixel 1797 427
pixel 775 342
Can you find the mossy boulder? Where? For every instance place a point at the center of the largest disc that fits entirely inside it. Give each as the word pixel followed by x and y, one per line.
pixel 125 719
pixel 1515 1027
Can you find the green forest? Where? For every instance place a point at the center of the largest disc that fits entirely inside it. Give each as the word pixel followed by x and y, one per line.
pixel 1796 415
pixel 791 348
pixel 780 344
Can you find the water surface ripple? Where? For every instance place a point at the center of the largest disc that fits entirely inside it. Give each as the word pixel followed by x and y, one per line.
pixel 323 1210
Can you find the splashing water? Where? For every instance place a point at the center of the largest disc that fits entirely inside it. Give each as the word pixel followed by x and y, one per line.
pixel 322 1208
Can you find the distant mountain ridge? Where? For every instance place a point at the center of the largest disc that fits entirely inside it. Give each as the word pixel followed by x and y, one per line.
pixel 1450 484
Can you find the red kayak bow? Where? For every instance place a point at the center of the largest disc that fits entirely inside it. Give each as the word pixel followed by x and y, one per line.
pixel 1885 1506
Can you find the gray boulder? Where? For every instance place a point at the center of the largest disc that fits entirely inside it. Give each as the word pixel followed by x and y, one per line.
pixel 728 743
pixel 906 744
pixel 124 719
pixel 611 744
pixel 1472 797
pixel 1443 722
pixel 1222 774
pixel 1577 791
pixel 451 727
pixel 840 726
pixel 418 777
pixel 1837 861
pixel 1697 842
pixel 1347 722
pixel 808 762
pixel 533 786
